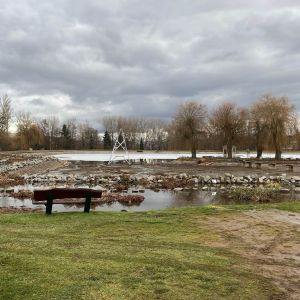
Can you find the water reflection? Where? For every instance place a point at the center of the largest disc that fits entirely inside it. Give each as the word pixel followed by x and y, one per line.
pixel 153 200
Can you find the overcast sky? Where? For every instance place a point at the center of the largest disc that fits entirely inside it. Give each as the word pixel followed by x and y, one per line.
pixel 91 58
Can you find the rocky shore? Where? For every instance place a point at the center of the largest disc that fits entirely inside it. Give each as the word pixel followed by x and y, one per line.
pixel 160 181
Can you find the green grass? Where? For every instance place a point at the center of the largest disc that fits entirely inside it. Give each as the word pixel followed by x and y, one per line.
pixel 153 255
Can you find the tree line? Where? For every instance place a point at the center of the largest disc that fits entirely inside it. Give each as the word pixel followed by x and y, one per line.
pixel 270 123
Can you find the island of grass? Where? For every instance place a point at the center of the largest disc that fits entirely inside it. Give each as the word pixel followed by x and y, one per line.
pixel 213 252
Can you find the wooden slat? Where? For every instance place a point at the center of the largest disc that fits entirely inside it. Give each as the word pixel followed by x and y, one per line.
pixel 63 193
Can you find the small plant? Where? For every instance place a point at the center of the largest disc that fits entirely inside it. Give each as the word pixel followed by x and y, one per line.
pixel 253 194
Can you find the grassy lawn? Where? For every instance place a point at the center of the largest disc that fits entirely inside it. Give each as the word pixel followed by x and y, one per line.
pixel 153 255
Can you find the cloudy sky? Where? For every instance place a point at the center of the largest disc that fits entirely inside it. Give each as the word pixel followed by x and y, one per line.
pixel 90 58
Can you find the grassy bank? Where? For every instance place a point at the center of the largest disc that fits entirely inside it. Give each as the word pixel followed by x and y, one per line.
pixel 153 255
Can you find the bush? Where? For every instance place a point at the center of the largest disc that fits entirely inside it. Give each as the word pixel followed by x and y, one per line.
pixel 253 194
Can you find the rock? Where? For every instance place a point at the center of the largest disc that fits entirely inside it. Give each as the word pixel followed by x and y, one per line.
pixel 183 175
pixel 207 179
pixel 284 191
pixel 194 180
pixel 248 178
pixel 239 180
pixel 297 190
pixel 178 189
pixel 150 178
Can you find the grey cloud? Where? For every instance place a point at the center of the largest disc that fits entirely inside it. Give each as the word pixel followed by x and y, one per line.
pixel 89 58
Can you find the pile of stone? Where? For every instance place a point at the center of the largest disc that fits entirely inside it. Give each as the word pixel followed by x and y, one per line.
pixel 15 165
pixel 179 181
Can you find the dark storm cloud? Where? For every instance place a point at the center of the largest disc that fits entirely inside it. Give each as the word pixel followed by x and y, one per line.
pixel 86 59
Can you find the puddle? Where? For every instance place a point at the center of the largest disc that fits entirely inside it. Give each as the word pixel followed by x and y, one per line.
pixel 153 200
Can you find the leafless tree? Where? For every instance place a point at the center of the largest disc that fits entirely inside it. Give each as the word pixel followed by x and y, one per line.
pixel 259 125
pixel 50 128
pixel 189 121
pixel 29 133
pixel 110 124
pixel 229 120
pixel 280 117
pixel 5 113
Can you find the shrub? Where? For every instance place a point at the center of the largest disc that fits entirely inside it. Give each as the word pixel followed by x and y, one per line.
pixel 253 194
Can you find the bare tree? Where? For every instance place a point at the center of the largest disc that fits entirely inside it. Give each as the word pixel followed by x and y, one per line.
pixel 5 113
pixel 259 125
pixel 29 133
pixel 280 116
pixel 50 128
pixel 110 124
pixel 229 120
pixel 189 121
pixel 88 136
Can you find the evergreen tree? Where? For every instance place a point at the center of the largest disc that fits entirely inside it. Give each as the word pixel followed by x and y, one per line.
pixel 141 144
pixel 66 136
pixel 107 140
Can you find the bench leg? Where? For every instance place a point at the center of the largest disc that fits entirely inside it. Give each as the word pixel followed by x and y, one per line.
pixel 49 204
pixel 87 204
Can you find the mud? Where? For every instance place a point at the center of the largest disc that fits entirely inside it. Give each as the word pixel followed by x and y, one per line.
pixel 270 240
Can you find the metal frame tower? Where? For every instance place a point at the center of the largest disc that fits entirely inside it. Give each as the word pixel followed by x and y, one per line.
pixel 120 143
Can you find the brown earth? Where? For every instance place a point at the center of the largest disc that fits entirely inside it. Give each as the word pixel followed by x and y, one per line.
pixel 270 240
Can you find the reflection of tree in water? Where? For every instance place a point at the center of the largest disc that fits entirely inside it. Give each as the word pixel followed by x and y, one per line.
pixel 191 197
pixel 136 200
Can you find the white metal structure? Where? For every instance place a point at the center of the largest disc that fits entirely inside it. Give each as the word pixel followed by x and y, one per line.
pixel 120 144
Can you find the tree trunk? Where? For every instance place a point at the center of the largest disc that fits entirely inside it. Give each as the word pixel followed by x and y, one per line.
pixel 194 153
pixel 277 146
pixel 278 154
pixel 229 150
pixel 259 152
pixel 259 145
pixel 194 146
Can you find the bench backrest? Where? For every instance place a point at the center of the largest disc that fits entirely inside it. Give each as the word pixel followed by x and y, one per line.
pixel 62 193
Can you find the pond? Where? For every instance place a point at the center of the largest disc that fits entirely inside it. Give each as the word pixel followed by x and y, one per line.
pixel 153 200
pixel 104 156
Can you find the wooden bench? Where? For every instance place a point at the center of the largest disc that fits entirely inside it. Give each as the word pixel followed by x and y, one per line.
pixel 290 167
pixel 40 196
